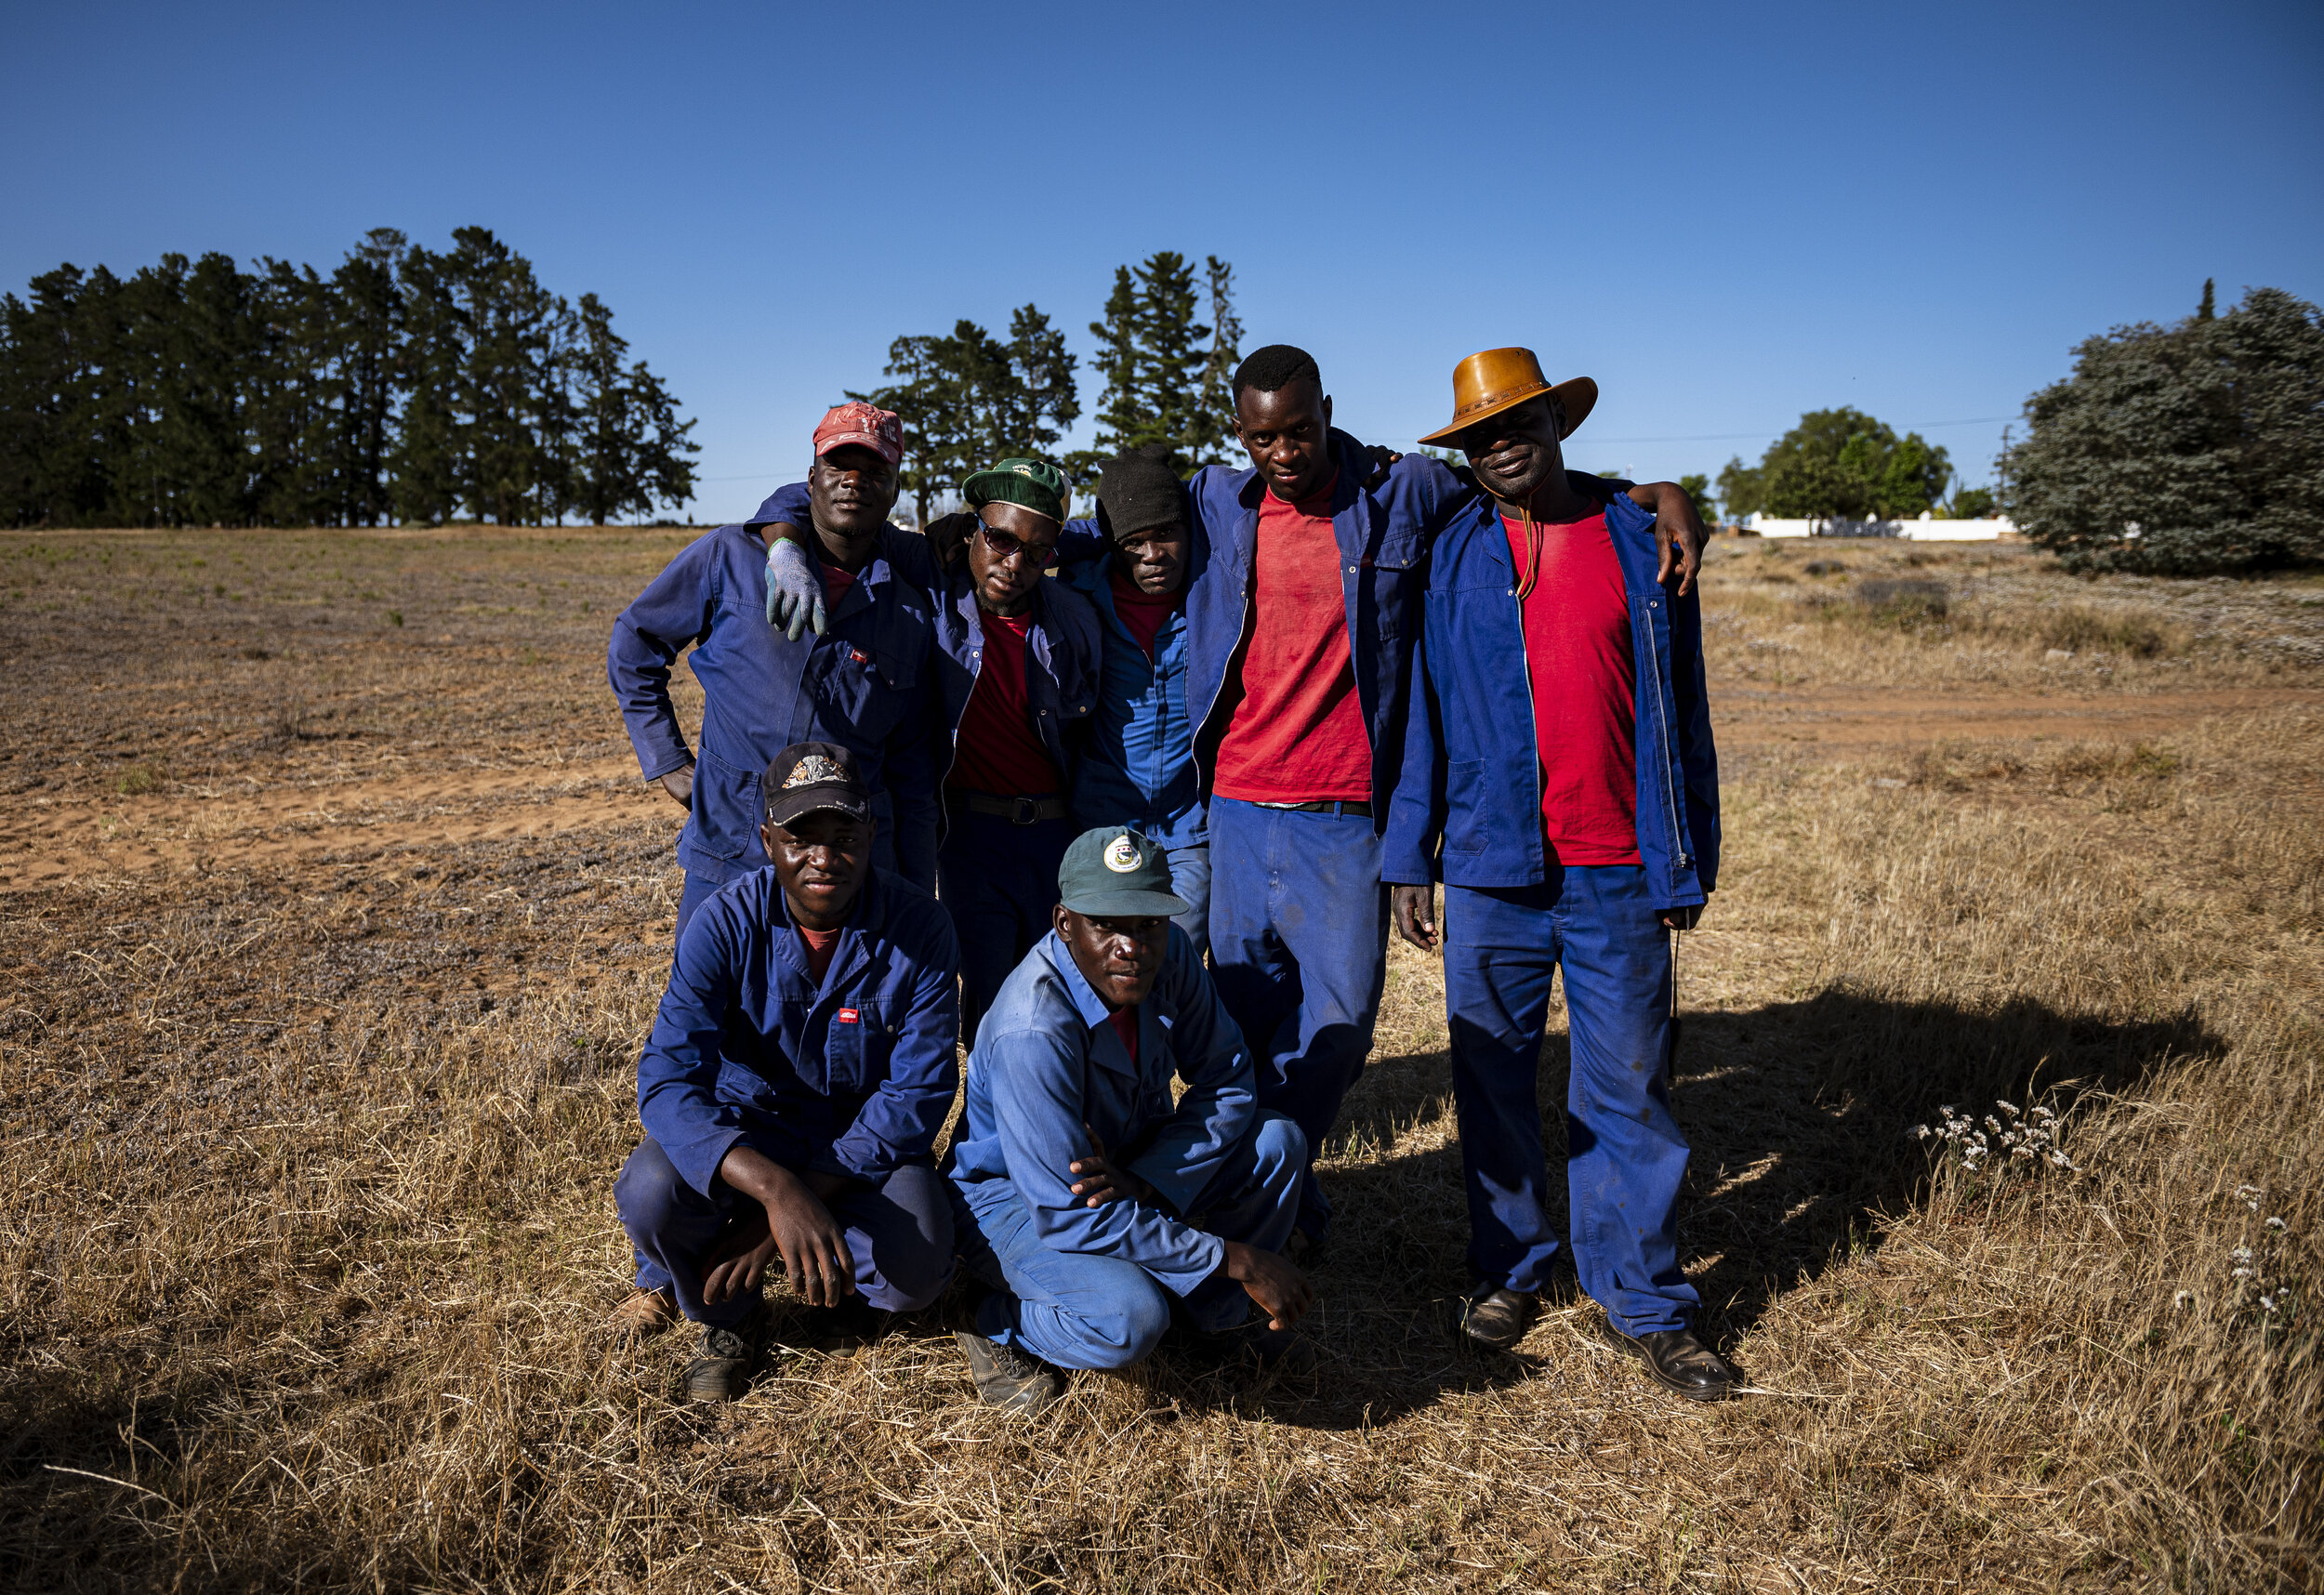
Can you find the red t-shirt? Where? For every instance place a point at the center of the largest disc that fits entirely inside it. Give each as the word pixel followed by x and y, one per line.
pixel 1585 682
pixel 1125 1022
pixel 836 581
pixel 1298 736
pixel 997 751
pixel 819 945
pixel 1141 613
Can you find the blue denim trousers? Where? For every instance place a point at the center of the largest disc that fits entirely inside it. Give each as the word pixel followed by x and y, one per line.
pixel 1299 950
pixel 1625 1155
pixel 1189 877
pixel 1081 1310
pixel 899 1232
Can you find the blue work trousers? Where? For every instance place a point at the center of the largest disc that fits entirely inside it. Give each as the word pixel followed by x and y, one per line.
pixel 899 1232
pixel 1299 950
pixel 1189 877
pixel 998 880
pixel 1625 1156
pixel 1085 1310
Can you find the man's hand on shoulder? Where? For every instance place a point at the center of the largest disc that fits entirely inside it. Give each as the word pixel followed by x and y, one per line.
pixel 1272 1281
pixel 1679 532
pixel 794 590
pixel 948 536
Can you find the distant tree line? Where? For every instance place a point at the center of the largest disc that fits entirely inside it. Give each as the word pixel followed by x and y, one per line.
pixel 968 398
pixel 2181 449
pixel 407 386
pixel 1838 464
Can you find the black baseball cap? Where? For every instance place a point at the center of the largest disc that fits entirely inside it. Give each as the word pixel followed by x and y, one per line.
pixel 809 777
pixel 1115 872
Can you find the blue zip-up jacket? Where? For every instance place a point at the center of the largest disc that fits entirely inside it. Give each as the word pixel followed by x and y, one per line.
pixel 1139 768
pixel 1062 656
pixel 1383 533
pixel 1472 763
pixel 864 685
pixel 854 1076
pixel 1048 1063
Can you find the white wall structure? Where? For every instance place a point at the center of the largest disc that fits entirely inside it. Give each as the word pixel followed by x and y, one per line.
pixel 1927 529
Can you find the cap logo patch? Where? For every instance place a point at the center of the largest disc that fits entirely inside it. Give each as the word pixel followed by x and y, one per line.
pixel 1121 854
pixel 813 771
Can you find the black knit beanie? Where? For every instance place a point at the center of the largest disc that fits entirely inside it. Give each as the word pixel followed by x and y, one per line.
pixel 1138 491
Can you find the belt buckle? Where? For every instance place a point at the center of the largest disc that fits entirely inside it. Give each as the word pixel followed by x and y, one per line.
pixel 1028 811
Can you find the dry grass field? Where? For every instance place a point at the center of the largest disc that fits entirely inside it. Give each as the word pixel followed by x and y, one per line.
pixel 332 914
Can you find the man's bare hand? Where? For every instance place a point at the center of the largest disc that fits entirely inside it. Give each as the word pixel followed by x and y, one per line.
pixel 1382 457
pixel 814 1245
pixel 679 784
pixel 1281 1291
pixel 1102 1181
pixel 738 1259
pixel 948 535
pixel 1415 910
pixel 1679 532
pixel 1680 918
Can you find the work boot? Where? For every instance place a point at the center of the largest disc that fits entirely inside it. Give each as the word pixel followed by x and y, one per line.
pixel 842 1331
pixel 1007 1379
pixel 643 1315
pixel 1498 1317
pixel 1678 1360
pixel 723 1369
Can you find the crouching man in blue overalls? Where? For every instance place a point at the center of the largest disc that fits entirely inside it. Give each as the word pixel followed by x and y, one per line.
pixel 799 1071
pixel 1093 1210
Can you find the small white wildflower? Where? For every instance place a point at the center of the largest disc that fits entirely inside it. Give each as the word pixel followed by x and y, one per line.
pixel 2186 1299
pixel 2267 1304
pixel 2275 1224
pixel 2057 1160
pixel 2009 1108
pixel 2241 1255
pixel 1993 1124
pixel 2044 1113
pixel 2023 1151
pixel 2242 1273
pixel 1947 1109
pixel 1918 1132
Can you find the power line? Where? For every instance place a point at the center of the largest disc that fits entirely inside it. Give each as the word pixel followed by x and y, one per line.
pixel 1742 436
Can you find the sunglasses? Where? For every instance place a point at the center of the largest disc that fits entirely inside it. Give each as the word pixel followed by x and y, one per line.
pixel 1003 545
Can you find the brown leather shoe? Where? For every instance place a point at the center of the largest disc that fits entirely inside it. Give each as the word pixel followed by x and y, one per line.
pixel 645 1315
pixel 1678 1360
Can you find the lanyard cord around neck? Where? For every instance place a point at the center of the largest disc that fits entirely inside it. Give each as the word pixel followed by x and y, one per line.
pixel 1531 574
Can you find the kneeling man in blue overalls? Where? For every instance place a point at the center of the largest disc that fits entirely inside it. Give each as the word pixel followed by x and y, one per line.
pixel 1093 1209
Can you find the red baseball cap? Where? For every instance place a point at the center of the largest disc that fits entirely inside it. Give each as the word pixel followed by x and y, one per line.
pixel 856 422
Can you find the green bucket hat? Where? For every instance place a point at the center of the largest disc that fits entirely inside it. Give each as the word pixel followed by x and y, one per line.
pixel 1035 484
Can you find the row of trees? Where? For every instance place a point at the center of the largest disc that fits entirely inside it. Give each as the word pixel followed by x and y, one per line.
pixel 408 385
pixel 968 398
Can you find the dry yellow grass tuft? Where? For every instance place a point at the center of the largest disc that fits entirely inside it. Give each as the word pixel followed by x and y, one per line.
pixel 304 1221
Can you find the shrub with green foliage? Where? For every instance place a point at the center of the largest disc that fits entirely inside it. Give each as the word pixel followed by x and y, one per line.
pixel 1839 464
pixel 2183 449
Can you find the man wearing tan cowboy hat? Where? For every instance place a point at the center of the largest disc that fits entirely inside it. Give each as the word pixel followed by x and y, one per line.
pixel 1558 775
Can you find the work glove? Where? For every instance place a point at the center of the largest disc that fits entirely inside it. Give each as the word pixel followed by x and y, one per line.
pixel 794 591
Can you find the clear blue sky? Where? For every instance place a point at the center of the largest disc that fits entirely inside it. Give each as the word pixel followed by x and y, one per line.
pixel 1728 214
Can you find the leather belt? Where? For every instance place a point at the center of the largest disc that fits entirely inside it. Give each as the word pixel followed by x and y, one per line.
pixel 1325 807
pixel 1016 811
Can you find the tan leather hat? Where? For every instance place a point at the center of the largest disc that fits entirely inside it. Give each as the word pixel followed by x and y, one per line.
pixel 1489 383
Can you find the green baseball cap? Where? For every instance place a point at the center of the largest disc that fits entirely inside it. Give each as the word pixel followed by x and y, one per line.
pixel 1115 872
pixel 1035 484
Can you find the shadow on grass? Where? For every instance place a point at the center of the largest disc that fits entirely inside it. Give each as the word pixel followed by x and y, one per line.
pixel 1798 1115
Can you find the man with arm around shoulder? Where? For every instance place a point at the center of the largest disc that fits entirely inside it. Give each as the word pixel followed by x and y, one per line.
pixel 1559 776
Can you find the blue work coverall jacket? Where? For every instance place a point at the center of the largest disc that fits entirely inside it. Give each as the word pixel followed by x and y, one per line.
pixel 853 1077
pixel 1383 534
pixel 1062 649
pixel 1139 767
pixel 1047 1062
pixel 866 685
pixel 1472 766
